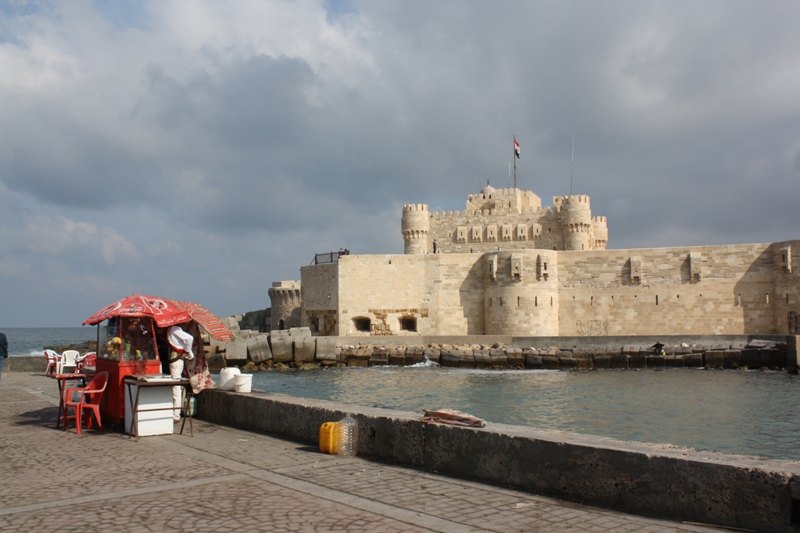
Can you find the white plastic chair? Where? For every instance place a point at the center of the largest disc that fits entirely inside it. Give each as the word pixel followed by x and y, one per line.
pixel 68 362
pixel 53 358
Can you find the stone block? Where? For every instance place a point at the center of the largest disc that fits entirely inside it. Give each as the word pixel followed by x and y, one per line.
pixel 732 359
pixel 299 332
pixel 611 351
pixel 674 361
pixel 467 361
pixel 258 348
pixel 449 359
pixel 304 349
pixel 602 361
pixel 357 362
pixel 637 361
pixel 782 356
pixel 533 361
pixel 326 349
pixel 281 346
pixel 380 350
pixel 751 358
pixel 714 359
pixel 567 362
pixel 236 351
pixel 564 353
pixel 364 352
pixel 792 353
pixel 769 358
pixel 516 359
pixel 681 350
pixel 397 360
pixel 584 362
pixel 631 350
pixel 379 360
pixel 693 360
pixel 432 354
pixel 499 358
pixel 549 361
pixel 656 361
pixel 619 360
pixel 482 359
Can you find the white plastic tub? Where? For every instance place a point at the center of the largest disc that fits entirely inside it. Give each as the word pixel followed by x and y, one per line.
pixel 243 382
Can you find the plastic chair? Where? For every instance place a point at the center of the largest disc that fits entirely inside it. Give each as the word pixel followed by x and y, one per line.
pixel 87 359
pixel 88 402
pixel 68 362
pixel 52 361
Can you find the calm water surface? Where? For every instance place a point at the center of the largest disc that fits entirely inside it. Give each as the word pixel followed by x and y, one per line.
pixel 742 412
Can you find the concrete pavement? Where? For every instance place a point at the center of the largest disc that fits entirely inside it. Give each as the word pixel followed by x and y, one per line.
pixel 224 479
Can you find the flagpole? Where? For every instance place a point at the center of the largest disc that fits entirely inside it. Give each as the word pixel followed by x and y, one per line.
pixel 514 157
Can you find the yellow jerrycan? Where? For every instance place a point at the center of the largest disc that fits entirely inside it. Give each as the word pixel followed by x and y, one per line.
pixel 329 437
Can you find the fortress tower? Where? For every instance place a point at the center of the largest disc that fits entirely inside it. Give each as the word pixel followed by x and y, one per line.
pixel 285 298
pixel 415 227
pixel 576 221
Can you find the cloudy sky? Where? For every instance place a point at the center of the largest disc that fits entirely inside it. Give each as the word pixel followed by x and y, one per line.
pixel 203 149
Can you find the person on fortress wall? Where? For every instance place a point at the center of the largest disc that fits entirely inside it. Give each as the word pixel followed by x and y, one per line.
pixel 180 344
pixel 658 348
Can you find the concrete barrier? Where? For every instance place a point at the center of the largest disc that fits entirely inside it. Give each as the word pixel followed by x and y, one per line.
pixel 649 479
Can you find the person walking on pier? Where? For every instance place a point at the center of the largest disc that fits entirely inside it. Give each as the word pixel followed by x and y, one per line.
pixel 3 351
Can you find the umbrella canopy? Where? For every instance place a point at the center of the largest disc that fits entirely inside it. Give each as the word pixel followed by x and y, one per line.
pixel 164 312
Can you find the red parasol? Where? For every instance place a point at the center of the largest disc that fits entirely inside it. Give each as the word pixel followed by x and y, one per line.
pixel 164 312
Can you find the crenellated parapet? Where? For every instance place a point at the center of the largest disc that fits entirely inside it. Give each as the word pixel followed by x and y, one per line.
pixel 499 219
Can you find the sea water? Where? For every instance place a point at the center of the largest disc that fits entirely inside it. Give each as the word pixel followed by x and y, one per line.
pixel 32 341
pixel 735 411
pixel 744 412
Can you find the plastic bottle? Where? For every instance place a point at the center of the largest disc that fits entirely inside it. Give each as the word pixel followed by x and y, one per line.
pixel 348 436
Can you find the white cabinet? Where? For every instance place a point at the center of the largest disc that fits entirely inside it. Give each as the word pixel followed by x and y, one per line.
pixel 154 412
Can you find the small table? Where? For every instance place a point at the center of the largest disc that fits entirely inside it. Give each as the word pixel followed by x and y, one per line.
pixel 141 381
pixel 62 391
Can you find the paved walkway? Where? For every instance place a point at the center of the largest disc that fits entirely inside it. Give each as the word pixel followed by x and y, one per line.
pixel 223 479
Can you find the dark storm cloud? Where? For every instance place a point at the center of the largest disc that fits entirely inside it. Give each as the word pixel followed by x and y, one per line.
pixel 265 132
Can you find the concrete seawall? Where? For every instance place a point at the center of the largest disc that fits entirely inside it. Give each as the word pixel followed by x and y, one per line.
pixel 655 480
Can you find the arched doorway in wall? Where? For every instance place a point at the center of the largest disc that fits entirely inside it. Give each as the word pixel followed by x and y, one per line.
pixel 362 324
pixel 281 324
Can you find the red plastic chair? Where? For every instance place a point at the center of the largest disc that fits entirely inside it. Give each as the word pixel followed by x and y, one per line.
pixel 87 359
pixel 89 400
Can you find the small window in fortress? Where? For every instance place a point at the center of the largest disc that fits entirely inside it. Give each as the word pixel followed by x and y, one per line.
pixel 519 301
pixel 656 299
pixel 408 324
pixel 739 300
pixel 767 295
pixel 362 323
pixel 536 301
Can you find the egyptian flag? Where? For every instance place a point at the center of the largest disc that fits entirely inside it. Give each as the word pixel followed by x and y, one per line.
pixel 516 148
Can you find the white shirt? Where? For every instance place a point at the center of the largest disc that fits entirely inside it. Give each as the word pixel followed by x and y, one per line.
pixel 181 341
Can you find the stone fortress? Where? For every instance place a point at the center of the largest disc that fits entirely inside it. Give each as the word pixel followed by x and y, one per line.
pixel 504 219
pixel 508 266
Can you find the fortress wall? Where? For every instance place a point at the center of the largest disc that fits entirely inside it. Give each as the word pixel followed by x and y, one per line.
pixel 443 292
pixel 319 293
pixel 382 288
pixel 444 230
pixel 723 292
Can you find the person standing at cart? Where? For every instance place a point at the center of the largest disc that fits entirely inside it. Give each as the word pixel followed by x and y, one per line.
pixel 180 344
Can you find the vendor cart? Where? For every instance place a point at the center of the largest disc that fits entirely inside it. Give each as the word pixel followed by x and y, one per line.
pixel 128 335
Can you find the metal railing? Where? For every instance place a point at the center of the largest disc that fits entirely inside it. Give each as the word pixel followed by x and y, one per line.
pixel 329 257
